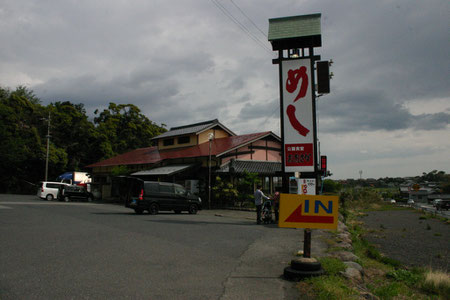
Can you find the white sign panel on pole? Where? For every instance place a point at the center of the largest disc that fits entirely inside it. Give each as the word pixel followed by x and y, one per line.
pixel 298 122
pixel 307 186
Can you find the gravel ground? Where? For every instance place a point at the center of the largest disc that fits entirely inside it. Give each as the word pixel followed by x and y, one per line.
pixel 405 236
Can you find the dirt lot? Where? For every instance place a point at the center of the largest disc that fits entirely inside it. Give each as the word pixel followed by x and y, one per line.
pixel 410 237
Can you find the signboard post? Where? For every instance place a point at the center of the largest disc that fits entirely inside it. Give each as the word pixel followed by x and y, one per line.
pixel 297 36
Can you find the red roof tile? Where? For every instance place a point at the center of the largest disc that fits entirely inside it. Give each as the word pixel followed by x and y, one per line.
pixel 151 155
pixel 147 155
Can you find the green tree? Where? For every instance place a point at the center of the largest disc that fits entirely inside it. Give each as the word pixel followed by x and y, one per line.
pixel 122 127
pixel 21 149
pixel 331 186
pixel 435 175
pixel 74 133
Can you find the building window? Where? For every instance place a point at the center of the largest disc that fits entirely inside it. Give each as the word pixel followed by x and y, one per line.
pixel 277 183
pixel 168 142
pixel 184 139
pixel 266 185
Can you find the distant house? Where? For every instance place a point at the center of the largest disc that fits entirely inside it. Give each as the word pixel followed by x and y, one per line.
pixel 419 196
pixel 419 192
pixel 186 154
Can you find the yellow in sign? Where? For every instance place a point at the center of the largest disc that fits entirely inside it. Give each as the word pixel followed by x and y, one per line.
pixel 308 211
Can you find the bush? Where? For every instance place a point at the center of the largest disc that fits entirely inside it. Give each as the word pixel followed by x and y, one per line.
pixel 224 192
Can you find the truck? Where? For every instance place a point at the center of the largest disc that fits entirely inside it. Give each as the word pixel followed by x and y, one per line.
pixel 75 178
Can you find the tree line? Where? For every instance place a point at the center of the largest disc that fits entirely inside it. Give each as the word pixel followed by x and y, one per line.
pixel 76 140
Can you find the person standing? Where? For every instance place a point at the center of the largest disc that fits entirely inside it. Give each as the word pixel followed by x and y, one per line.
pixel 276 204
pixel 259 195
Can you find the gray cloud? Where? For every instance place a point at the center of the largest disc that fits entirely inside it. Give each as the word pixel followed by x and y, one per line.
pixel 371 110
pixel 259 110
pixel 431 121
pixel 188 62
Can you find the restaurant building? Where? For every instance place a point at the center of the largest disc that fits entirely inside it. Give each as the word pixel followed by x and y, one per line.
pixel 194 154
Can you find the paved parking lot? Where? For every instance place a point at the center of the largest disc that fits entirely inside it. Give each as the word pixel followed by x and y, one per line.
pixel 59 250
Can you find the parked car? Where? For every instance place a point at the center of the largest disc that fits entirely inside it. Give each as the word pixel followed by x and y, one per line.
pixel 443 205
pixel 156 196
pixel 74 192
pixel 49 190
pixel 436 201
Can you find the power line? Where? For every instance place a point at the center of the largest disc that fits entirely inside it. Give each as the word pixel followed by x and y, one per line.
pixel 242 27
pixel 248 18
pixel 270 116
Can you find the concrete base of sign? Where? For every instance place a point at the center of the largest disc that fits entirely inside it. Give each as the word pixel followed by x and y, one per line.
pixel 304 267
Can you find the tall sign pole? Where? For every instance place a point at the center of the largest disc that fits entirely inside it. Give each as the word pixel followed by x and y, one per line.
pixel 297 36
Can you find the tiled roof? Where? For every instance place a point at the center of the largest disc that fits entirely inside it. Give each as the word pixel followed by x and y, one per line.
pixel 151 155
pixel 294 27
pixel 147 155
pixel 251 166
pixel 193 128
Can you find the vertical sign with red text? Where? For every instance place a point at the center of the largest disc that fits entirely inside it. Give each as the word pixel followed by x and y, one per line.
pixel 298 116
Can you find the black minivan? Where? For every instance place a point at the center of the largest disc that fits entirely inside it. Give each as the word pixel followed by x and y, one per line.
pixel 155 196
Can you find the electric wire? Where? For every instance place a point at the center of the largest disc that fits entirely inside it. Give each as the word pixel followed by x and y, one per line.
pixel 270 116
pixel 242 27
pixel 248 18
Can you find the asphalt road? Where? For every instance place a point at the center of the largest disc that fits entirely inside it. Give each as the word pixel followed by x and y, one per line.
pixel 58 250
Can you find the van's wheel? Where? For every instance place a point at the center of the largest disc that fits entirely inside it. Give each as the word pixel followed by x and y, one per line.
pixel 49 197
pixel 90 198
pixel 66 199
pixel 193 209
pixel 138 211
pixel 153 210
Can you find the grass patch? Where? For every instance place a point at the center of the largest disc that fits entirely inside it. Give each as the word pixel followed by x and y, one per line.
pixel 332 266
pixel 387 290
pixel 409 277
pixel 426 215
pixel 331 287
pixel 385 207
pixel 437 283
pixel 373 253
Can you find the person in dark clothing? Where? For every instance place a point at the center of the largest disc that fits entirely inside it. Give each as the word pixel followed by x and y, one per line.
pixel 259 196
pixel 276 204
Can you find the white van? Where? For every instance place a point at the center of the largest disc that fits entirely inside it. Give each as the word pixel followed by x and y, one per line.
pixel 49 190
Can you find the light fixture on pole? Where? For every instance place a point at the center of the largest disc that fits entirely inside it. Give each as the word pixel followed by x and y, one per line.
pixel 210 138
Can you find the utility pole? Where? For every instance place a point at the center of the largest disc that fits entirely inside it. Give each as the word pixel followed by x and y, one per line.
pixel 210 138
pixel 48 146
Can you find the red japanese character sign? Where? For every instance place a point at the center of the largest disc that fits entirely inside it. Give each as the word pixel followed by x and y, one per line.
pixel 298 116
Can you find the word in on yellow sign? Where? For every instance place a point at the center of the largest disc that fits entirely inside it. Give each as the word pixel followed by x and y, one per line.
pixel 308 211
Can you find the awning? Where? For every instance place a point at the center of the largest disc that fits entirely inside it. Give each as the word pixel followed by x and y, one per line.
pixel 166 170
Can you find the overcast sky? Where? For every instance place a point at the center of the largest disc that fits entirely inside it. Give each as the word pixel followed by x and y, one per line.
pixel 186 61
